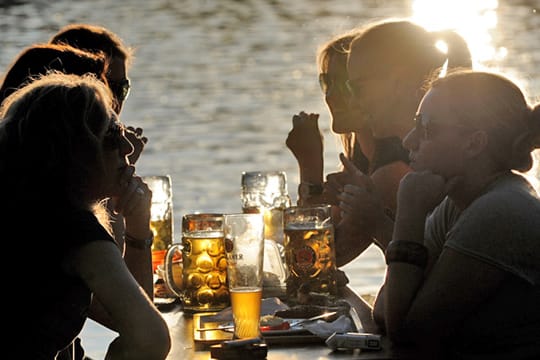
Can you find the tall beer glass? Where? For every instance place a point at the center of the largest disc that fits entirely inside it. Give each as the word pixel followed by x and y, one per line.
pixel 244 243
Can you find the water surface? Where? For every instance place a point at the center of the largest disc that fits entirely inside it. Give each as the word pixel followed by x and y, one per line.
pixel 215 83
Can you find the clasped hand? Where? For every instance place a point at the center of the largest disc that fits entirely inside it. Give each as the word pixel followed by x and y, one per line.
pixel 360 204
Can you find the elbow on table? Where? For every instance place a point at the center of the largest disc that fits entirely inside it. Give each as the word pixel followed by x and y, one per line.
pixel 158 344
pixel 155 344
pixel 410 333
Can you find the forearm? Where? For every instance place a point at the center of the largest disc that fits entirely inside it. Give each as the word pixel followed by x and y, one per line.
pixel 349 243
pixel 401 285
pixel 139 258
pixel 363 309
pixel 312 169
pixel 139 263
pixel 311 177
pixel 406 258
pixel 383 233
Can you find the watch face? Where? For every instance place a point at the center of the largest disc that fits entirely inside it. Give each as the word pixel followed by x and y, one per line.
pixel 307 189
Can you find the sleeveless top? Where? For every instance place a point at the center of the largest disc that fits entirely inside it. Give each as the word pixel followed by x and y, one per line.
pixel 62 300
pixel 387 151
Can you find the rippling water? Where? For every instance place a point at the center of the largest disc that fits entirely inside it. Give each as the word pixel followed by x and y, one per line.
pixel 215 83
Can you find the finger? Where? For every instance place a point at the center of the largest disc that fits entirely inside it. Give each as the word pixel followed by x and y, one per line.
pixel 126 176
pixel 134 201
pixel 124 197
pixel 333 184
pixel 361 179
pixel 138 197
pixel 295 120
pixel 344 206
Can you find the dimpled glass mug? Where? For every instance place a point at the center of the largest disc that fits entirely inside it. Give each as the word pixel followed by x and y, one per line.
pixel 204 273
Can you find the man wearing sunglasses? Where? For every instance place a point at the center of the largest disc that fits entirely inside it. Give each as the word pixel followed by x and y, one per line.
pixel 97 39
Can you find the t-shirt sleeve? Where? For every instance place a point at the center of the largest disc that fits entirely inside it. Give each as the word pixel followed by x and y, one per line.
pixel 437 226
pixel 502 228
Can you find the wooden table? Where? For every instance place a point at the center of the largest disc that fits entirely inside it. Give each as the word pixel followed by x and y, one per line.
pixel 183 346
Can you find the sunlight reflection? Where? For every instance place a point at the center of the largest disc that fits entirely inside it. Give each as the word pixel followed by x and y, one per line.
pixel 475 21
pixel 471 19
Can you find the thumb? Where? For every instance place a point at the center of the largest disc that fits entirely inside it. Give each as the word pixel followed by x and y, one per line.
pixel 360 178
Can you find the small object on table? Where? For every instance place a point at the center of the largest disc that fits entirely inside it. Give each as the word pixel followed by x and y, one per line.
pixel 309 311
pixel 249 348
pixel 352 340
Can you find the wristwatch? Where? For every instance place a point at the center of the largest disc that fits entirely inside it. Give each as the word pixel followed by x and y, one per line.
pixel 307 190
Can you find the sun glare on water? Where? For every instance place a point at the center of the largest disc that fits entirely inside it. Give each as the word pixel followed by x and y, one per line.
pixel 475 21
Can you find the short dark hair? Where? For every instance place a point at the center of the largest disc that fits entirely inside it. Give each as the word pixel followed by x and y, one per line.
pixel 93 38
pixel 39 59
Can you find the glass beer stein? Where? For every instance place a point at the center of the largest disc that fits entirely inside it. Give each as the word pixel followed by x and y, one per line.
pixel 309 250
pixel 161 217
pixel 266 192
pixel 204 273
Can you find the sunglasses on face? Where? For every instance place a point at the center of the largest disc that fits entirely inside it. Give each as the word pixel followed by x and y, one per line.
pixel 327 84
pixel 112 140
pixel 120 89
pixel 421 125
pixel 425 126
pixel 354 87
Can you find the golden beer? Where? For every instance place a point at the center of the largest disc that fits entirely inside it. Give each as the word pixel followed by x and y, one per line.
pixel 310 256
pixel 163 232
pixel 246 308
pixel 161 216
pixel 273 222
pixel 204 272
pixel 265 192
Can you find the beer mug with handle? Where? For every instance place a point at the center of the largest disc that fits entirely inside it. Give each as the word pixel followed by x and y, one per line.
pixel 310 251
pixel 204 272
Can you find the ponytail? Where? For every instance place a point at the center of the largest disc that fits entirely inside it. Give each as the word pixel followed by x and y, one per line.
pixel 458 54
pixel 526 143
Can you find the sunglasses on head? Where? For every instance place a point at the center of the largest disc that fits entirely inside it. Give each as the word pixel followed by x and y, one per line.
pixel 120 89
pixel 113 137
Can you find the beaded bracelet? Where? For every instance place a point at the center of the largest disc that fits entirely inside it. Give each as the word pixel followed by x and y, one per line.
pixel 139 244
pixel 409 252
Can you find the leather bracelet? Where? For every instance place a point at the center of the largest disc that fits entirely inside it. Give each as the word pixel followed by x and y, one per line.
pixel 138 243
pixel 409 252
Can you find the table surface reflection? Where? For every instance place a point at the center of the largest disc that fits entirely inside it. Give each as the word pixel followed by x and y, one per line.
pixel 184 347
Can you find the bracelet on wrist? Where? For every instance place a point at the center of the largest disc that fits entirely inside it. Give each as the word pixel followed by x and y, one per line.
pixel 307 189
pixel 409 252
pixel 138 243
